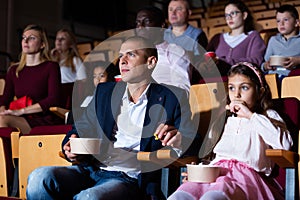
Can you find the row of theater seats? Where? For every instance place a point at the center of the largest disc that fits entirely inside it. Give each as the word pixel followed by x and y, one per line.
pixel 42 146
pixel 212 20
pixel 17 159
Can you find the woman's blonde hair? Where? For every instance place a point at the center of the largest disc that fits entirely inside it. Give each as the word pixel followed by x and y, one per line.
pixel 44 52
pixel 72 52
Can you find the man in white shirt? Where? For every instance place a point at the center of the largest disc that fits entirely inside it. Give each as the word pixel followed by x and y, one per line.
pixel 173 65
pixel 125 115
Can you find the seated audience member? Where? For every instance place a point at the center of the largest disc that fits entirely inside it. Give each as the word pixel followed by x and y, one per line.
pixel 242 44
pixel 285 43
pixel 124 115
pixel 173 66
pixel 34 77
pixel 66 54
pixel 238 144
pixel 100 72
pixel 180 32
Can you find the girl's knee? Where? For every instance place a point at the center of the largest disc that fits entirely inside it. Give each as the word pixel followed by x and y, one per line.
pixel 3 119
pixel 181 195
pixel 214 195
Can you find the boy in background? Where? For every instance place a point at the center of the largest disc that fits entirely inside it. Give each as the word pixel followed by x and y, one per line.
pixel 285 43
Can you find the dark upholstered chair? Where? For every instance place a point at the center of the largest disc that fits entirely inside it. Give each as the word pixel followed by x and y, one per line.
pixel 288 161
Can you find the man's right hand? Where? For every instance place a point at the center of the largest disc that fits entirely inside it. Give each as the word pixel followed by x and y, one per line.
pixel 67 148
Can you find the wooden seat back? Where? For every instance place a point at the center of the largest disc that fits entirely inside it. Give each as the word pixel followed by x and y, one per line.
pixel 289 87
pixel 36 151
pixel 6 163
pixel 271 80
pixel 207 101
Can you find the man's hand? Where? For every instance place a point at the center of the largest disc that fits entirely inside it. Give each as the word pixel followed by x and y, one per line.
pixel 67 148
pixel 168 135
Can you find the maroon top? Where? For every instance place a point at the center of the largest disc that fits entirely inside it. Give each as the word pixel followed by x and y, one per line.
pixel 42 83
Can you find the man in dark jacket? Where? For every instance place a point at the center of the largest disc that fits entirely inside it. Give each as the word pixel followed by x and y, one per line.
pixel 134 115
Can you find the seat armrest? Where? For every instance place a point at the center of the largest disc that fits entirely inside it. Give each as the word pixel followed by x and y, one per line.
pixel 61 112
pixel 15 137
pixel 61 154
pixel 166 156
pixel 283 158
pixel 152 157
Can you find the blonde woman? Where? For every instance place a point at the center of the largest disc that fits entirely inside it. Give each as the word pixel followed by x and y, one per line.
pixel 36 77
pixel 66 54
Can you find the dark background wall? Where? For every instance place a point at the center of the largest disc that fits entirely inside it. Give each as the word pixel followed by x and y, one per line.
pixel 87 20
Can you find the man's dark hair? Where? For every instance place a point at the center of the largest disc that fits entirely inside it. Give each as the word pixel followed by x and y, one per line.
pixel 158 14
pixel 288 8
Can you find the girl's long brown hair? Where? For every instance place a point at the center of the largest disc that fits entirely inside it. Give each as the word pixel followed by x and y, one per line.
pixel 249 24
pixel 73 50
pixel 264 103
